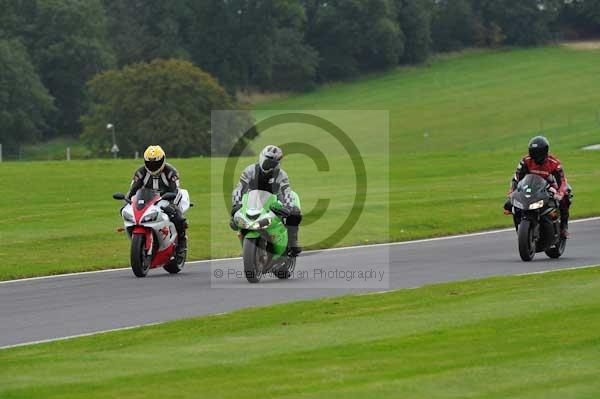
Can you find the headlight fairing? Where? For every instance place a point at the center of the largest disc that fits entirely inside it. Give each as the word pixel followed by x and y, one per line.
pixel 128 217
pixel 262 223
pixel 150 217
pixel 241 222
pixel 517 204
pixel 536 205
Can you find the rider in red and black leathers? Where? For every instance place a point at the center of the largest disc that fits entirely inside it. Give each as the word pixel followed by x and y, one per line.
pixel 540 163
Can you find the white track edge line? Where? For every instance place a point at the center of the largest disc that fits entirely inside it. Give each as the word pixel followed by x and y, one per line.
pixel 89 334
pixel 556 270
pixel 388 244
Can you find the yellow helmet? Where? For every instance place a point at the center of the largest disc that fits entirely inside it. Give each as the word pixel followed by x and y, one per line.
pixel 154 158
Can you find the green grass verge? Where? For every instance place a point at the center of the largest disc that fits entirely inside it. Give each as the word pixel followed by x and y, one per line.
pixel 510 337
pixel 478 110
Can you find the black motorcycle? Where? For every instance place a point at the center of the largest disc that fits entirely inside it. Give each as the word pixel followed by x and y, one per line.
pixel 537 219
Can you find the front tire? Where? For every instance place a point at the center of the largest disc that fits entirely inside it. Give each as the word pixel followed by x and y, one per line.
pixel 139 265
pixel 526 241
pixel 557 251
pixel 253 269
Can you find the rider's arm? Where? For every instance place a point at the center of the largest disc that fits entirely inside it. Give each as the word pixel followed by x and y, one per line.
pixel 285 192
pixel 520 173
pixel 173 178
pixel 242 187
pixel 136 183
pixel 559 175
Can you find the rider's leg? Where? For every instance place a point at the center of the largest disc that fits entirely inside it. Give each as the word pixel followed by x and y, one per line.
pixel 176 216
pixel 292 223
pixel 565 204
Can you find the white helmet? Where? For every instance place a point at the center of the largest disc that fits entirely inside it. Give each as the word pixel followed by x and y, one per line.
pixel 270 157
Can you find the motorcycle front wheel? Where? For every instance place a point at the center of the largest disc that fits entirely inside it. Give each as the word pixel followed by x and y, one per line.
pixel 139 265
pixel 526 241
pixel 253 267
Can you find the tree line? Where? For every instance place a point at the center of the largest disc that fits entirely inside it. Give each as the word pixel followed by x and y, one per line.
pixel 51 49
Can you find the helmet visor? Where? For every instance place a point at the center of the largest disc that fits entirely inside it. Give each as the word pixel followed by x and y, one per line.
pixel 154 166
pixel 268 164
pixel 539 155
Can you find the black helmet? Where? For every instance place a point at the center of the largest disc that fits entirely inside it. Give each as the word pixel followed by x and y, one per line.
pixel 270 157
pixel 538 149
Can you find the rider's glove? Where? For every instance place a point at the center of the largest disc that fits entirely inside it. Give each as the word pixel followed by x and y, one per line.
pixel 507 207
pixel 233 224
pixel 557 195
pixel 281 212
pixel 293 210
pixel 235 208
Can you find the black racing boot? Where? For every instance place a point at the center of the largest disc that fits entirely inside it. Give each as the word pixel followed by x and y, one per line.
pixel 182 244
pixel 564 223
pixel 564 229
pixel 294 249
pixel 182 238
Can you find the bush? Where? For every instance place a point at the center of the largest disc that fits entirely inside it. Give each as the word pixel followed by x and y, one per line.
pixel 166 102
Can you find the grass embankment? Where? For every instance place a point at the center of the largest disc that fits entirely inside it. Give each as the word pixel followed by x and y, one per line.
pixel 457 130
pixel 512 337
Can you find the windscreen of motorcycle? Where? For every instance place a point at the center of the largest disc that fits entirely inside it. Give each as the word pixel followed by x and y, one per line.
pixel 143 196
pixel 257 199
pixel 532 184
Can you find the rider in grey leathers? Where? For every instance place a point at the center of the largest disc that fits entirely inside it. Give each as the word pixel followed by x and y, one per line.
pixel 267 175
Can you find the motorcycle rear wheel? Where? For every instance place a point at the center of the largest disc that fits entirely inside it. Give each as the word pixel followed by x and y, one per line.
pixel 177 264
pixel 287 270
pixel 139 265
pixel 253 269
pixel 527 248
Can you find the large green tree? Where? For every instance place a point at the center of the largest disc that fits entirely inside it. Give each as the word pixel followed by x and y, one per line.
pixel 67 42
pixel 166 102
pixel 415 22
pixel 354 35
pixel 581 18
pixel 523 22
pixel 453 25
pixel 25 103
pixel 148 29
pixel 252 44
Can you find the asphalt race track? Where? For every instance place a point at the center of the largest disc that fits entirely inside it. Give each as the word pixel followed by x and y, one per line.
pixel 62 306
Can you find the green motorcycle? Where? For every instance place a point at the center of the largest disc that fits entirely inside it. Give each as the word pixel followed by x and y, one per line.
pixel 263 236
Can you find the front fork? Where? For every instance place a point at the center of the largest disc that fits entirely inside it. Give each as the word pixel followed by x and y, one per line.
pixel 533 218
pixel 149 238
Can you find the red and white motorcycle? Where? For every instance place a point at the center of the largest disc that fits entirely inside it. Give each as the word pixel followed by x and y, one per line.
pixel 153 236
